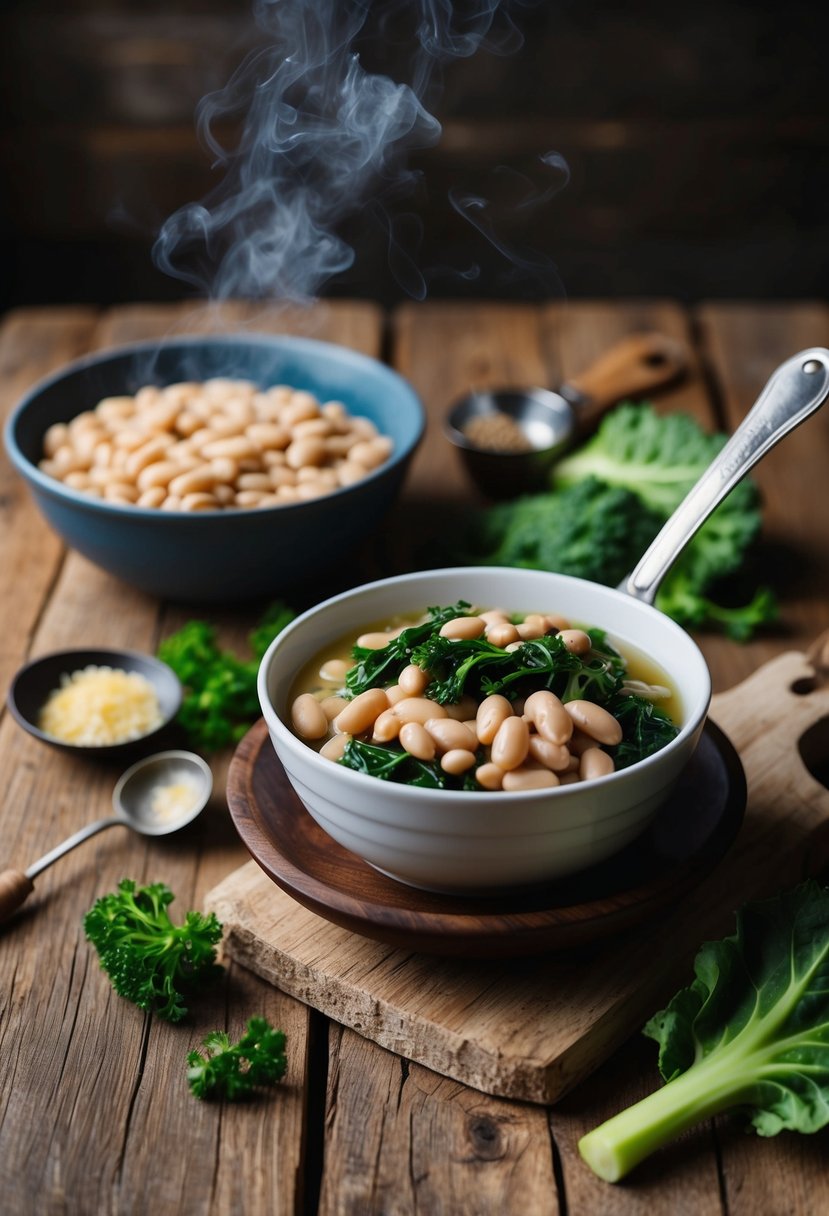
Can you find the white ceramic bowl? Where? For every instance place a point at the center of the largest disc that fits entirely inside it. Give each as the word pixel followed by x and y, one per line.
pixel 460 841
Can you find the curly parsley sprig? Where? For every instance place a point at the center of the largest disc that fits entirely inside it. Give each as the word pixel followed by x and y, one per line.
pixel 148 958
pixel 237 1070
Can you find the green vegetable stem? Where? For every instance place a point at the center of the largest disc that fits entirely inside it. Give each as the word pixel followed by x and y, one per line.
pixel 148 958
pixel 236 1070
pixel 751 1033
pixel 220 701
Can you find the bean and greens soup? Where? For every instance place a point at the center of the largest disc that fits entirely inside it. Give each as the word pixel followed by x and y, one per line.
pixel 461 698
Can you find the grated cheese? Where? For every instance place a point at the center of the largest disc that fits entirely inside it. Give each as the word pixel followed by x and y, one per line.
pixel 101 705
pixel 174 800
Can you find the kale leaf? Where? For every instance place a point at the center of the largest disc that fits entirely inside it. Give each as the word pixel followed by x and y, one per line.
pixel 609 500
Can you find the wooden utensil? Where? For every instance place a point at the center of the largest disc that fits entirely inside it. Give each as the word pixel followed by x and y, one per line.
pixel 684 842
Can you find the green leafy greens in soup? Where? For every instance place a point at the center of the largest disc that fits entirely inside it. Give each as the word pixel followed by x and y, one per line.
pixel 462 699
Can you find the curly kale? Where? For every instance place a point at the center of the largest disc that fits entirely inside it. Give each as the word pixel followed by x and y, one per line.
pixel 377 668
pixel 645 729
pixel 147 958
pixel 589 530
pixel 609 500
pixel 237 1070
pixel 392 763
pixel 477 668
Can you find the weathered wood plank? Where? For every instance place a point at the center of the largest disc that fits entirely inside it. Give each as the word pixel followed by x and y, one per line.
pixel 33 342
pixel 133 1105
pixel 403 1139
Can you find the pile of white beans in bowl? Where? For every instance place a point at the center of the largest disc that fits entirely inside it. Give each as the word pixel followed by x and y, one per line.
pixel 222 444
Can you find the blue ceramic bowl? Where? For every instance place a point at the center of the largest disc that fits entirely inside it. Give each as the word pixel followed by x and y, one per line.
pixel 214 556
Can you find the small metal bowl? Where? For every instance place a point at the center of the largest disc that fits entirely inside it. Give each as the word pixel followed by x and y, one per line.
pixel 34 682
pixel 544 418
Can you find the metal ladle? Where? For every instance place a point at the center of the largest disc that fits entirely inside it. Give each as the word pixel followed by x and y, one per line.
pixel 795 390
pixel 132 800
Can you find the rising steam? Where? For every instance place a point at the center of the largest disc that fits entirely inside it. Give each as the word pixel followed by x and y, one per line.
pixel 323 139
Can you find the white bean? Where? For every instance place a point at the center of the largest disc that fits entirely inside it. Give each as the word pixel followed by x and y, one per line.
pixel 361 713
pixel 457 761
pixel 595 763
pixel 417 741
pixel 308 717
pixel 334 747
pixel 418 709
pixel 463 628
pixel 530 777
pixel 595 721
pixel 511 743
pixel 450 736
pixel 492 712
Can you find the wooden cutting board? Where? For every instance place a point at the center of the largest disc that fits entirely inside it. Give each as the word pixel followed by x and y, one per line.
pixel 532 1028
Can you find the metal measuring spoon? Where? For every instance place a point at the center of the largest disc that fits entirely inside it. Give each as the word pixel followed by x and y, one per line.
pixel 144 799
pixel 546 421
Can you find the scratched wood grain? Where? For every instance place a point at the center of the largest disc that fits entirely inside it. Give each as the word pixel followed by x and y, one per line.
pixel 96 1092
pixel 94 1115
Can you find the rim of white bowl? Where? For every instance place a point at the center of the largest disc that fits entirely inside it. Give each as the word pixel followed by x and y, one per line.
pixel 60 491
pixel 694 714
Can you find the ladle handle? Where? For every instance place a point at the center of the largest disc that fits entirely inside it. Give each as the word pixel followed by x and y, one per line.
pixel 637 364
pixel 15 887
pixel 798 388
pixel 72 842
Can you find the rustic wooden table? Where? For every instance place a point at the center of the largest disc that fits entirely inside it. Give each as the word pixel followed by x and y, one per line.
pixel 95 1115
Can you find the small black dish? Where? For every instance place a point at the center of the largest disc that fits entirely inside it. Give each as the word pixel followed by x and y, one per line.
pixel 34 682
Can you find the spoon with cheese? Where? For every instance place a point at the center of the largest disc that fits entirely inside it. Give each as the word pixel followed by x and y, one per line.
pixel 156 796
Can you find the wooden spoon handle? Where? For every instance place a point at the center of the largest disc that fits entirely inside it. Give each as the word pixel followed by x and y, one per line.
pixel 637 364
pixel 15 887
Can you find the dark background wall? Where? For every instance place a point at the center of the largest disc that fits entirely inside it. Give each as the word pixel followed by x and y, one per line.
pixel 696 138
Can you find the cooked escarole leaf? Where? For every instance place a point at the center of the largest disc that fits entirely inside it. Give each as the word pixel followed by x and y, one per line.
pixel 392 764
pixel 376 668
pixel 474 667
pixel 751 1033
pixel 645 729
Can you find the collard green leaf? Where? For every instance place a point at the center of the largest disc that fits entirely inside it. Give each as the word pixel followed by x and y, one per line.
pixel 751 1034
